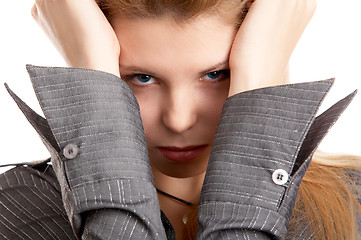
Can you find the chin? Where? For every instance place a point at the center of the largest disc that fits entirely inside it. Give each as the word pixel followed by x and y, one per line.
pixel 189 169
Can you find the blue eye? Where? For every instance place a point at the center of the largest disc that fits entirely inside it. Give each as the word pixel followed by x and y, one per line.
pixel 143 78
pixel 215 76
pixel 139 79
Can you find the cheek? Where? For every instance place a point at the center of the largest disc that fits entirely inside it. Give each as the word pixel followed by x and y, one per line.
pixel 149 112
pixel 211 105
pixel 207 106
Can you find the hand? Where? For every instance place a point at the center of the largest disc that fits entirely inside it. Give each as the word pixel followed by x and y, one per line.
pixel 80 32
pixel 265 41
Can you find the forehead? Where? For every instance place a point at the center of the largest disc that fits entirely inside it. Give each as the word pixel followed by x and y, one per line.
pixel 163 44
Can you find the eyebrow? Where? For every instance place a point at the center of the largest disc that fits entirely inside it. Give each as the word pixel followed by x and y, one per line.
pixel 136 69
pixel 222 65
pixel 218 66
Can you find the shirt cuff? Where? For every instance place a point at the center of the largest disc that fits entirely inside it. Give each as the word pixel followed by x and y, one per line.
pixel 94 132
pixel 262 149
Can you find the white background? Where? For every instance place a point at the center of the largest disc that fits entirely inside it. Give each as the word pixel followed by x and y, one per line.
pixel 330 47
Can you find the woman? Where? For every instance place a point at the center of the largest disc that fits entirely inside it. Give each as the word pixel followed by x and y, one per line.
pixel 181 61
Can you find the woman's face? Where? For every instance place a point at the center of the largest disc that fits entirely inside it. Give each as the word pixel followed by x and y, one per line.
pixel 180 77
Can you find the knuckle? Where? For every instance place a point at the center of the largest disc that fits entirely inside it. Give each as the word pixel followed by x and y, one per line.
pixel 314 4
pixel 39 2
pixel 34 11
pixel 311 6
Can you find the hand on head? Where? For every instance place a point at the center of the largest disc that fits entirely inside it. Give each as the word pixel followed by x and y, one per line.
pixel 80 32
pixel 265 42
pixel 259 56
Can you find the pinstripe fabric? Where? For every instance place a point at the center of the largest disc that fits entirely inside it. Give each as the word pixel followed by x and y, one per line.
pixel 31 206
pixel 262 132
pixel 100 115
pixel 107 188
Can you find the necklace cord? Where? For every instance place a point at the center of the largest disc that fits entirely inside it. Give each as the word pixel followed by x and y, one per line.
pixel 174 197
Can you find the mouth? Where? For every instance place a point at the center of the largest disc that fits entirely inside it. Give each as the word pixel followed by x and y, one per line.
pixel 183 154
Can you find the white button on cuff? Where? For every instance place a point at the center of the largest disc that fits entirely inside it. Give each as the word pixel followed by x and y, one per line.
pixel 70 151
pixel 280 176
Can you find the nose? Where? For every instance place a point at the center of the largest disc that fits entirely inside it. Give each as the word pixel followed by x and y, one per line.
pixel 179 112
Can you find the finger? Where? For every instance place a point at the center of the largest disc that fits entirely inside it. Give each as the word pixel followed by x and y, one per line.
pixel 34 12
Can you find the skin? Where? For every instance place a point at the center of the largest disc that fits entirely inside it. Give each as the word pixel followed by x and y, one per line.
pixel 266 39
pixel 179 103
pixel 178 106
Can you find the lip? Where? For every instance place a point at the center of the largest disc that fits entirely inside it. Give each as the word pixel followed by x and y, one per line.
pixel 183 154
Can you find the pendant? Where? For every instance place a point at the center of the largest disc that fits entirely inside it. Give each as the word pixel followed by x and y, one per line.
pixel 185 219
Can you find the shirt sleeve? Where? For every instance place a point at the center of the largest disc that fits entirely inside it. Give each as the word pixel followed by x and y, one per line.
pixel 262 148
pixel 93 130
pixel 94 133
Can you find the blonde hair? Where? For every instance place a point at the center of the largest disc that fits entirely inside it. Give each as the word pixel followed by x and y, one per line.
pixel 326 205
pixel 326 201
pixel 181 11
